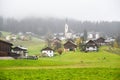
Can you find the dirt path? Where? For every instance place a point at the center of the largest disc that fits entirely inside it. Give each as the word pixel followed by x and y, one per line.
pixel 51 67
pixel 6 58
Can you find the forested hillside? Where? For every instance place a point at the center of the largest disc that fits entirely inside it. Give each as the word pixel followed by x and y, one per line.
pixel 42 26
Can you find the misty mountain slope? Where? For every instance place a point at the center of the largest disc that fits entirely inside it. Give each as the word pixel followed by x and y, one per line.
pixel 42 26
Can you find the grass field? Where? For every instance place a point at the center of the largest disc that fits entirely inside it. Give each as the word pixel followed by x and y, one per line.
pixel 69 66
pixel 61 74
pixel 102 65
pixel 76 59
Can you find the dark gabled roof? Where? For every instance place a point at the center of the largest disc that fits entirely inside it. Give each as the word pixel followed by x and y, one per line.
pixel 100 39
pixel 70 42
pixel 91 42
pixel 47 48
pixel 6 42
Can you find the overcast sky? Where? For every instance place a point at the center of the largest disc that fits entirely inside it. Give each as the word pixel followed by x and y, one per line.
pixel 93 10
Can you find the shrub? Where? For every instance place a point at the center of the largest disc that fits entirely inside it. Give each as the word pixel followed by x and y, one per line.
pixel 60 50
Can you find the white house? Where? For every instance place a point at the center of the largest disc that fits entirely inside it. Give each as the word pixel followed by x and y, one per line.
pixel 91 46
pixel 48 51
pixel 93 35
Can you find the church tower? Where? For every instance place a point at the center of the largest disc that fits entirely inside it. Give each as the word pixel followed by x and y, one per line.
pixel 66 28
pixel 68 34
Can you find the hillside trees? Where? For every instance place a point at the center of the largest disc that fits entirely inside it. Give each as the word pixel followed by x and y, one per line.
pixel 78 41
pixel 57 45
pixel 85 35
pixel 118 39
pixel 42 25
pixel 115 44
pixel 1 23
pixel 0 34
pixel 48 39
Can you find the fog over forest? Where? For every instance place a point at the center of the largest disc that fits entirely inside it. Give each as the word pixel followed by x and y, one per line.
pixel 49 16
pixel 43 26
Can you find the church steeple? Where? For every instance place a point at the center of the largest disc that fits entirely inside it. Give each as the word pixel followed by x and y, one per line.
pixel 66 27
pixel 68 34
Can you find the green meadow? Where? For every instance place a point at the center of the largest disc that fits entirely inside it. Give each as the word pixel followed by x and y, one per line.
pixel 101 65
pixel 61 74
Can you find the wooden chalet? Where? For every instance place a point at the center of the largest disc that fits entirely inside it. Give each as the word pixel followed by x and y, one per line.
pixel 48 51
pixel 5 48
pixel 90 46
pixel 20 50
pixel 100 41
pixel 70 46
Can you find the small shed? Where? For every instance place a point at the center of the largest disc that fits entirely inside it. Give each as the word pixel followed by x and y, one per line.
pixel 5 48
pixel 100 41
pixel 70 46
pixel 22 51
pixel 90 46
pixel 48 51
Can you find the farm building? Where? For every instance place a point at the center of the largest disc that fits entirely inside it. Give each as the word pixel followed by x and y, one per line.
pixel 100 41
pixel 90 46
pixel 5 48
pixel 56 43
pixel 70 46
pixel 20 50
pixel 48 51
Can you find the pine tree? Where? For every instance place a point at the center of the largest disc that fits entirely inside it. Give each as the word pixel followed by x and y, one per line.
pixel 85 35
pixel 115 44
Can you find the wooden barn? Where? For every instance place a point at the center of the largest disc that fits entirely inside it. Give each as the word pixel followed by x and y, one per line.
pixel 5 48
pixel 48 51
pixel 90 46
pixel 100 41
pixel 20 51
pixel 70 46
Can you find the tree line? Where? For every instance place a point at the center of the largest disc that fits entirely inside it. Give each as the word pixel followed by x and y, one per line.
pixel 41 26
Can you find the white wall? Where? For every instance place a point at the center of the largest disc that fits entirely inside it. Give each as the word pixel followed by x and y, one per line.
pixel 91 49
pixel 50 53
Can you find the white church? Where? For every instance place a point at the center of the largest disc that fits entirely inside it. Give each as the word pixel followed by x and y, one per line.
pixel 68 33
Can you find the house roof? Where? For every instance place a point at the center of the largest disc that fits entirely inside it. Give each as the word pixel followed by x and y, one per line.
pixel 71 43
pixel 6 42
pixel 91 42
pixel 47 48
pixel 19 48
pixel 100 40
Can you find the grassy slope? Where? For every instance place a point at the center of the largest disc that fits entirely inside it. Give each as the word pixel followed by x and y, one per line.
pixel 5 33
pixel 69 66
pixel 34 46
pixel 100 65
pixel 69 59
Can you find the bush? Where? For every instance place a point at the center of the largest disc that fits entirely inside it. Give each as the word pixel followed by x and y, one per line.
pixel 60 50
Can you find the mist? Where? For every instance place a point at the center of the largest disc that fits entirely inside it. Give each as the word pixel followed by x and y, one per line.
pixel 90 10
